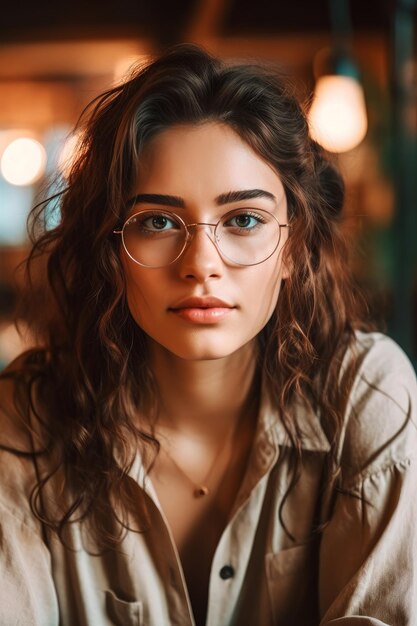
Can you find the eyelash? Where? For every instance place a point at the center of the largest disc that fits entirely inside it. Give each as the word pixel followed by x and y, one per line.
pixel 251 213
pixel 246 213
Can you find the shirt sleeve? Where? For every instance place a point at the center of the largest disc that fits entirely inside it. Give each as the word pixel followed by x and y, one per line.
pixel 27 590
pixel 27 593
pixel 368 555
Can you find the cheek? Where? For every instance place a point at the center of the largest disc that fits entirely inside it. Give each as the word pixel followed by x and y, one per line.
pixel 262 292
pixel 270 298
pixel 140 294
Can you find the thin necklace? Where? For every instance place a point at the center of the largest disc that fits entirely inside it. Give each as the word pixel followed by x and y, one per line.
pixel 202 489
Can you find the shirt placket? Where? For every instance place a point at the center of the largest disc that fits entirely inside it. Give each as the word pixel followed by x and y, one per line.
pixel 233 552
pixel 176 592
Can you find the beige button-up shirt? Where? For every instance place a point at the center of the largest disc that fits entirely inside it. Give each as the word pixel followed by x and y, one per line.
pixel 361 569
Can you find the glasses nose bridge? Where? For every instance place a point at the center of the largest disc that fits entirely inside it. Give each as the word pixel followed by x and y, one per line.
pixel 192 228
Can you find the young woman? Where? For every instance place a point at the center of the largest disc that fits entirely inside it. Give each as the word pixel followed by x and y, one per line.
pixel 206 434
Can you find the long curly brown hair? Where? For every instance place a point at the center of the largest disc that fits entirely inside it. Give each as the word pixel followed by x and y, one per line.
pixel 86 380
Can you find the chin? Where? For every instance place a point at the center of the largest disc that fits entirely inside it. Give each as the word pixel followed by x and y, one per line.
pixel 196 348
pixel 200 353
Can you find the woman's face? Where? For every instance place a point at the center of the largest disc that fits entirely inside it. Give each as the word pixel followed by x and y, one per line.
pixel 198 165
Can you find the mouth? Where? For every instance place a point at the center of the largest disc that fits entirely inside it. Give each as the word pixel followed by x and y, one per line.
pixel 204 310
pixel 203 302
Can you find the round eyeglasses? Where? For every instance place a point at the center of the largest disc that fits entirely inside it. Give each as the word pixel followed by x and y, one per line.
pixel 156 238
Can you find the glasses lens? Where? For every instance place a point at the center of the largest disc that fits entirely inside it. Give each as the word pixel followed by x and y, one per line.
pixel 154 238
pixel 248 237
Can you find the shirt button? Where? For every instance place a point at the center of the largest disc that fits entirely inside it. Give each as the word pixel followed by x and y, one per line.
pixel 226 572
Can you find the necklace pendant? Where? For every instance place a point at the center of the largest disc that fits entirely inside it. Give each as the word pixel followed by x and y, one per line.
pixel 201 491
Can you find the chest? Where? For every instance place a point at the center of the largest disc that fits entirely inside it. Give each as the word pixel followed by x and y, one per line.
pixel 274 581
pixel 196 522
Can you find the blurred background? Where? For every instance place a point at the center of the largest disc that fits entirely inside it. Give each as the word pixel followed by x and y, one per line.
pixel 353 64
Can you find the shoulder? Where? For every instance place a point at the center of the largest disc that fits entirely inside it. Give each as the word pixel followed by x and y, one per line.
pixel 381 412
pixel 382 371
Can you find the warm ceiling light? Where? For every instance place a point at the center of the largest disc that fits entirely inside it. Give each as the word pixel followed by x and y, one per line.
pixel 23 161
pixel 337 116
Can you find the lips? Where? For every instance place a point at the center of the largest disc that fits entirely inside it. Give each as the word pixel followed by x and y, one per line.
pixel 204 302
pixel 202 310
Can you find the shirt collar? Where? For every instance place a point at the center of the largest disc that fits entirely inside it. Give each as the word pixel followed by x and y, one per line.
pixel 313 437
pixel 269 429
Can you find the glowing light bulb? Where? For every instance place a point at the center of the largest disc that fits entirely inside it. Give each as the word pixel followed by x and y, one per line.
pixel 23 161
pixel 337 117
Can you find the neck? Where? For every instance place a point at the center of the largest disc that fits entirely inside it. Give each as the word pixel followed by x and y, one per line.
pixel 204 399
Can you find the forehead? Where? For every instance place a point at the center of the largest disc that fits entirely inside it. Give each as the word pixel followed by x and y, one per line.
pixel 206 160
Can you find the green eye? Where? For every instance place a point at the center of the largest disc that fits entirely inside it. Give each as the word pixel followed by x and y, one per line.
pixel 159 223
pixel 155 223
pixel 244 221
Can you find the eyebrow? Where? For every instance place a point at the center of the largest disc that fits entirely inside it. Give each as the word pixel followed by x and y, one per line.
pixel 245 194
pixel 179 203
pixel 157 198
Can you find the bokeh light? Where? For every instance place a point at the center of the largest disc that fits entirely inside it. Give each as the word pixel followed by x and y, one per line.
pixel 337 117
pixel 23 161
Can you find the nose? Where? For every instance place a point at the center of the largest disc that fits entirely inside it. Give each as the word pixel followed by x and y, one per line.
pixel 201 260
